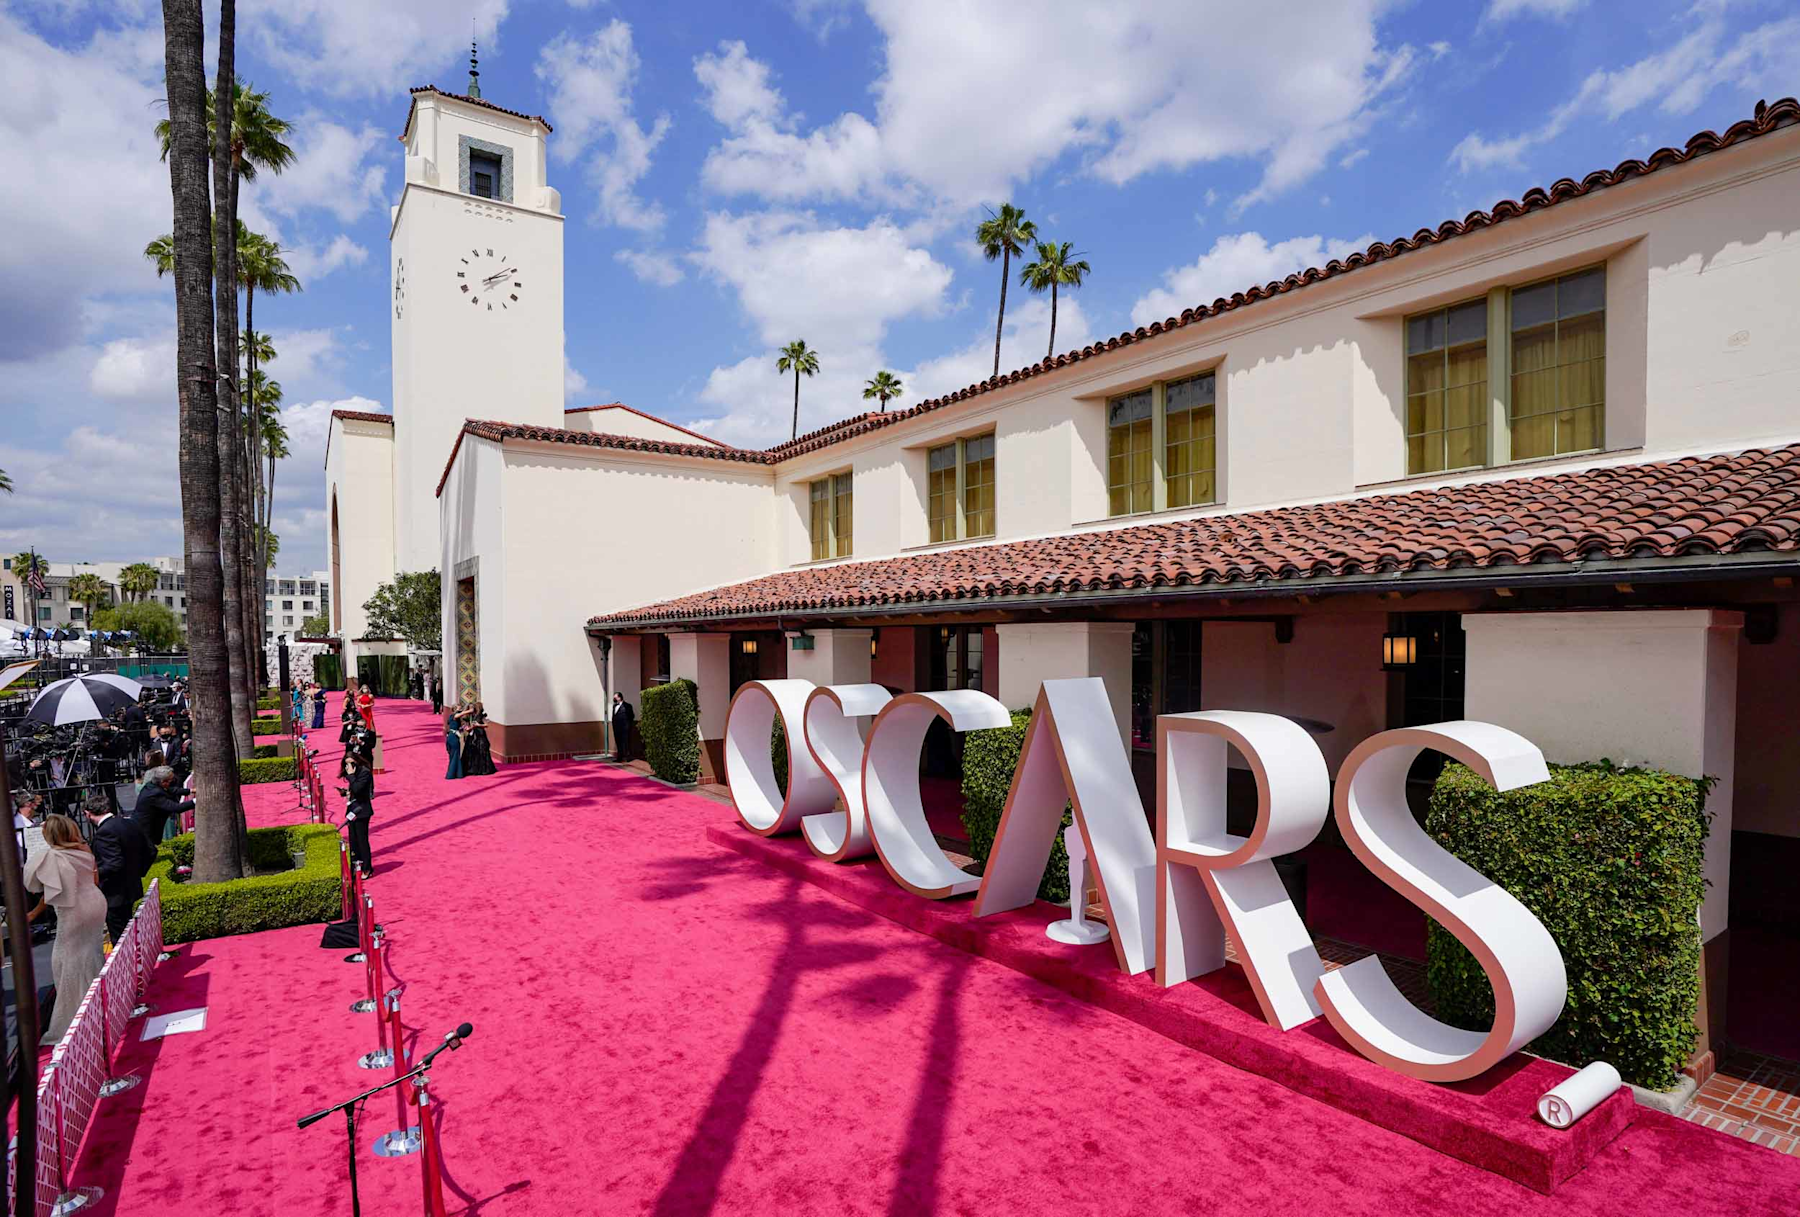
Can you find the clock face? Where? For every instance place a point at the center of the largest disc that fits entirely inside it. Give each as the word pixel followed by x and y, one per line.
pixel 489 281
pixel 399 289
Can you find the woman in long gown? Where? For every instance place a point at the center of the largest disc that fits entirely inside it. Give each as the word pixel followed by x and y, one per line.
pixel 453 742
pixel 64 872
pixel 478 757
pixel 365 706
pixel 318 707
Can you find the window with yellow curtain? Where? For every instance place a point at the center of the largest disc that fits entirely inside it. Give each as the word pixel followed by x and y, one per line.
pixel 978 486
pixel 1189 450
pixel 841 514
pixel 820 523
pixel 1559 365
pixel 940 489
pixel 1447 388
pixel 1128 453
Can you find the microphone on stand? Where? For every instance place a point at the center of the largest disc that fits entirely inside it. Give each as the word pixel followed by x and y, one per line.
pixel 453 1041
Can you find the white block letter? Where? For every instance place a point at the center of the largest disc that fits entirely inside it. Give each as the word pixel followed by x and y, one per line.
pixel 749 771
pixel 836 745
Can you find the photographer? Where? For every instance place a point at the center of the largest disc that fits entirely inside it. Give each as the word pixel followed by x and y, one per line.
pixel 358 808
pixel 158 803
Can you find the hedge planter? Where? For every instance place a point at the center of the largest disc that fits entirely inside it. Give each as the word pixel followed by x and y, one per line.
pixel 281 895
pixel 266 769
pixel 670 727
pixel 1610 860
pixel 989 758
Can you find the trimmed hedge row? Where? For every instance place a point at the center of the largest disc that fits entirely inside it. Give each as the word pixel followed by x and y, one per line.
pixel 989 758
pixel 266 769
pixel 1611 861
pixel 670 725
pixel 286 897
pixel 264 751
pixel 268 703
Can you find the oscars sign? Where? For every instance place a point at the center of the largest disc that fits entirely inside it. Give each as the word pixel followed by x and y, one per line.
pixel 1170 899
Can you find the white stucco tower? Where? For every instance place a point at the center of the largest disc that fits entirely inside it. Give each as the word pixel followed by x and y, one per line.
pixel 476 265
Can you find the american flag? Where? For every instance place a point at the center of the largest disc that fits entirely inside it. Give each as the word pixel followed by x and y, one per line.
pixel 34 578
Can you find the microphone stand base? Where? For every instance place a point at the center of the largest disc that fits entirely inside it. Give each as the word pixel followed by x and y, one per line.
pixel 364 1006
pixel 118 1085
pixel 356 957
pixel 75 1200
pixel 398 1144
pixel 381 1058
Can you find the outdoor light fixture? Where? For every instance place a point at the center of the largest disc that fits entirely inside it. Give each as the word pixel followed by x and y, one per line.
pixel 748 646
pixel 800 640
pixel 871 646
pixel 1398 651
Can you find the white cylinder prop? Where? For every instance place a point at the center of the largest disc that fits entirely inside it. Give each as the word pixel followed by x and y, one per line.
pixel 1578 1094
pixel 1077 930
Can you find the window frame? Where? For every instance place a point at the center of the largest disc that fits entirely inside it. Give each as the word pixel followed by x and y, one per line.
pixel 1160 476
pixel 955 522
pixel 1500 374
pixel 822 499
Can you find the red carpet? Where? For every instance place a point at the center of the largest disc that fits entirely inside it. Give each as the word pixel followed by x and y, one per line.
pixel 663 1026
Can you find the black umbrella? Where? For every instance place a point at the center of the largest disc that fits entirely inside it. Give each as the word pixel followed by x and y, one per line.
pixel 81 699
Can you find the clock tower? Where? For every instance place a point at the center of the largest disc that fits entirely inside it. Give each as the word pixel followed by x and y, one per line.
pixel 476 262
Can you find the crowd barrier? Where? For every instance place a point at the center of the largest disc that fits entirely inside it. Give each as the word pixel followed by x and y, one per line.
pixel 76 1077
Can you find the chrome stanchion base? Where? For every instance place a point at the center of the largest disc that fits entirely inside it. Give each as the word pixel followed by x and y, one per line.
pixel 397 1144
pixel 139 1010
pixel 381 1058
pixel 365 1006
pixel 355 957
pixel 165 957
pixel 76 1199
pixel 118 1085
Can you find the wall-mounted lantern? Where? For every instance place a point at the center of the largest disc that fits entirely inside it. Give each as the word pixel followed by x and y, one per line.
pixel 748 646
pixel 1398 651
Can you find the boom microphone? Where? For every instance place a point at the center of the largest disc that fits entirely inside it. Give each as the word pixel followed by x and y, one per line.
pixel 453 1041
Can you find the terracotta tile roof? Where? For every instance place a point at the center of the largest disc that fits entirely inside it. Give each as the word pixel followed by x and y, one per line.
pixel 364 416
pixel 473 101
pixel 501 432
pixel 619 405
pixel 1725 504
pixel 1768 117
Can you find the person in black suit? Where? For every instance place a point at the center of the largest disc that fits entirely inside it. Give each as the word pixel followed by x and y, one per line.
pixel 158 802
pixel 122 856
pixel 137 726
pixel 358 808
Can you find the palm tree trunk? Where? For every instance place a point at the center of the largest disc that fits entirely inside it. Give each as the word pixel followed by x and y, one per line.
pixel 217 856
pixel 796 432
pixel 1052 354
pixel 1000 324
pixel 258 547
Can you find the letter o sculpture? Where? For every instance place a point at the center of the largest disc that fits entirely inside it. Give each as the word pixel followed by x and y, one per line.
pixel 896 813
pixel 1520 958
pixel 750 771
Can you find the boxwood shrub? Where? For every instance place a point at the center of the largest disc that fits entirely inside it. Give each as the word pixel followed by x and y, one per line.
pixel 1610 860
pixel 264 704
pixel 264 751
pixel 670 725
pixel 266 769
pixel 989 758
pixel 778 755
pixel 268 901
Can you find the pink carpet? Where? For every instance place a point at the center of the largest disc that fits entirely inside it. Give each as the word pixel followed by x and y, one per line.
pixel 663 1026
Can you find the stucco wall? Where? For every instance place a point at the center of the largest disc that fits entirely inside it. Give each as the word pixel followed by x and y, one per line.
pixel 616 420
pixel 359 489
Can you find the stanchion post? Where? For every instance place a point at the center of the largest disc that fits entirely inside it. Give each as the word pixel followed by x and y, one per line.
pixel 430 1164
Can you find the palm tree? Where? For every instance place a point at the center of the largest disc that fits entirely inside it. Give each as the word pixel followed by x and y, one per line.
pixel 275 447
pixel 885 385
pixel 139 579
pixel 801 360
pixel 25 565
pixel 1053 269
pixel 88 590
pixel 261 267
pixel 270 544
pixel 218 855
pixel 5 482
pixel 1001 235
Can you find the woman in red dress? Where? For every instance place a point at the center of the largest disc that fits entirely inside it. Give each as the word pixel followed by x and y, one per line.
pixel 365 706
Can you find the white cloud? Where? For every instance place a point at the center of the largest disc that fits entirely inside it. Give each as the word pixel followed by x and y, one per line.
pixel 1556 10
pixel 1677 79
pixel 304 357
pixel 1236 263
pixel 590 83
pixel 135 370
pixel 1026 340
pixel 335 169
pixel 356 47
pixel 1353 158
pixel 309 263
pixel 650 266
pixel 1129 92
pixel 574 383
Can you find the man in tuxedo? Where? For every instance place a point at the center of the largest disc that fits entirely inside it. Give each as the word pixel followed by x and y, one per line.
pixel 157 802
pixel 122 855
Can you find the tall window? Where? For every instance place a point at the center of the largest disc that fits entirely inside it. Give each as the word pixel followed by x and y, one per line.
pixel 1165 674
pixel 960 488
pixel 957 659
pixel 484 175
pixel 1559 365
pixel 1189 447
pixel 1446 388
pixel 1162 446
pixel 1128 465
pixel 831 517
pixel 1471 402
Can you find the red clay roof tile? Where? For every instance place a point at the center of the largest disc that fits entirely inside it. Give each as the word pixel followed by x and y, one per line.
pixel 1724 504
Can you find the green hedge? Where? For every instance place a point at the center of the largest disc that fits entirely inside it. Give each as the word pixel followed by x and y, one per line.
pixel 670 725
pixel 778 754
pixel 287 897
pixel 268 703
pixel 1610 860
pixel 264 751
pixel 989 758
pixel 266 769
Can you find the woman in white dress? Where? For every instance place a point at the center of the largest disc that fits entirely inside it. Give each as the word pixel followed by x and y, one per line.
pixel 64 872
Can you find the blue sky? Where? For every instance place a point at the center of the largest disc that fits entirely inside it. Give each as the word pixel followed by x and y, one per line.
pixel 739 174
